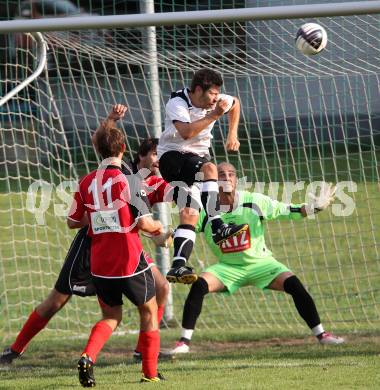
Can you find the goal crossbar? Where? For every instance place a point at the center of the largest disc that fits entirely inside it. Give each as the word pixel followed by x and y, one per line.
pixel 192 17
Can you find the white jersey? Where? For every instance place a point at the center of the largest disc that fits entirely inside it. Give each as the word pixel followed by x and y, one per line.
pixel 179 108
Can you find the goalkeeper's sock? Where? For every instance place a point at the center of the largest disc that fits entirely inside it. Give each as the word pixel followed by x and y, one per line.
pixel 100 333
pixel 303 301
pixel 34 324
pixel 211 203
pixel 183 242
pixel 186 335
pixel 193 304
pixel 318 331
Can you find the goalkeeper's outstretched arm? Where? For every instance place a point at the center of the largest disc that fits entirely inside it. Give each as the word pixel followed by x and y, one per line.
pixel 271 209
pixel 321 201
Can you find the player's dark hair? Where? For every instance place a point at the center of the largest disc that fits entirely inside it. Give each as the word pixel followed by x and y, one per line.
pixel 206 78
pixel 146 146
pixel 108 140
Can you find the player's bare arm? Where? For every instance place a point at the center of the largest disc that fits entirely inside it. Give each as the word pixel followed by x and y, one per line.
pixel 77 224
pixel 190 130
pixel 232 142
pixel 117 112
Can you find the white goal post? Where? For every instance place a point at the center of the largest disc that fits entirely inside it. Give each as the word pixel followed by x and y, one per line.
pixel 193 17
pixel 303 119
pixel 41 55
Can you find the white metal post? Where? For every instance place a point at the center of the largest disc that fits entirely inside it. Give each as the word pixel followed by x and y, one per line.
pixel 162 210
pixel 192 17
pixel 42 59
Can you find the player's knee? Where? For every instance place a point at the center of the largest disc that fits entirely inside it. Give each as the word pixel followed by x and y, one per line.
pixel 209 170
pixel 148 320
pixel 48 311
pixel 198 289
pixel 113 323
pixel 148 309
pixel 294 286
pixel 189 216
pixel 52 305
pixel 162 292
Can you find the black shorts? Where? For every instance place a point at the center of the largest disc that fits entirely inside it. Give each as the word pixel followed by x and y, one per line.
pixel 75 276
pixel 182 168
pixel 139 288
pixel 177 166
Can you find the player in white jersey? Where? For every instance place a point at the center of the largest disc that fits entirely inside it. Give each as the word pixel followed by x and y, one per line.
pixel 183 151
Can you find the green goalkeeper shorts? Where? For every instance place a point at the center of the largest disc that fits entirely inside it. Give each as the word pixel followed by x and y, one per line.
pixel 260 273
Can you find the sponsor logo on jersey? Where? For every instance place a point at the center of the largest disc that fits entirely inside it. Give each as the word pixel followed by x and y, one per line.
pixel 105 222
pixel 238 243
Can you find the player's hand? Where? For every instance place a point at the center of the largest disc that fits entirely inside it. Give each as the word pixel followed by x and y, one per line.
pixel 221 107
pixel 323 200
pixel 117 112
pixel 232 144
pixel 163 239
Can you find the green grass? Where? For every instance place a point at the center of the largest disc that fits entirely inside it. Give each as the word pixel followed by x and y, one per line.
pixel 236 364
pixel 247 341
pixel 336 257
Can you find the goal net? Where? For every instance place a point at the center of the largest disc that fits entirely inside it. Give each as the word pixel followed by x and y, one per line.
pixel 303 119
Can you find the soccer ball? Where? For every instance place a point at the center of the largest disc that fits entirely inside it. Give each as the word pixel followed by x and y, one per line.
pixel 311 39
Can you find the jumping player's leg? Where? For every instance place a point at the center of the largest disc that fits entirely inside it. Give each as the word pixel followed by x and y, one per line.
pixel 211 204
pixel 182 170
pixel 305 305
pixel 183 243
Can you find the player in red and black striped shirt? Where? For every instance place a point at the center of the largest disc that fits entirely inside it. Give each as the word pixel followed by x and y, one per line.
pixel 118 265
pixel 74 277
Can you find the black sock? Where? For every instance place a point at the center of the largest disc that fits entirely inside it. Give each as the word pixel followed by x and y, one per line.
pixel 303 301
pixel 185 340
pixel 193 303
pixel 211 203
pixel 183 242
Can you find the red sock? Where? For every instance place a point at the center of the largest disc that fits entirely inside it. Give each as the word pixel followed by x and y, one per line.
pixel 100 333
pixel 150 346
pixel 138 346
pixel 32 326
pixel 160 314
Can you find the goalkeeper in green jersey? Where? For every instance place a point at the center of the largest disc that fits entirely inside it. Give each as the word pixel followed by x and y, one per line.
pixel 245 259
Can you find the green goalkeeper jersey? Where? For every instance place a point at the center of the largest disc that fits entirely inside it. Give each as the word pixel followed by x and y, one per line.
pixel 249 246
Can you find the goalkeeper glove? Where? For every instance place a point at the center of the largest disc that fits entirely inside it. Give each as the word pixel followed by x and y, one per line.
pixel 322 201
pixel 163 239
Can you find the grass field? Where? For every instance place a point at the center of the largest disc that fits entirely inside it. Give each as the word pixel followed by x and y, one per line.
pixel 252 340
pixel 271 364
pixel 336 257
